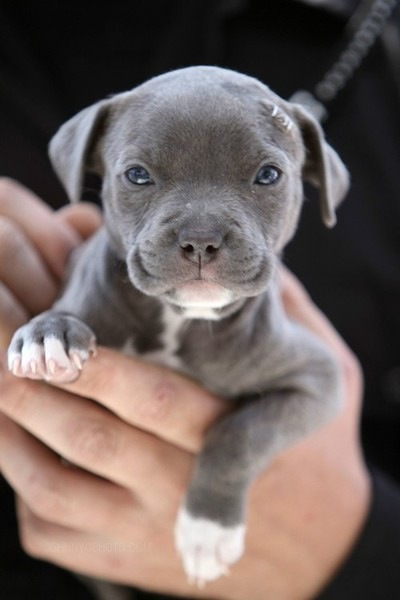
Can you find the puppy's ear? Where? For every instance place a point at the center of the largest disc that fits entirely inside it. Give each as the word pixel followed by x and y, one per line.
pixel 71 146
pixel 322 167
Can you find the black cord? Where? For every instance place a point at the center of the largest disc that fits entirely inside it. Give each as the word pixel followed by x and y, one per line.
pixel 367 26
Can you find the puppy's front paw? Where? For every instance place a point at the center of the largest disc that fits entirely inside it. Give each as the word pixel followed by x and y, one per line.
pixel 207 548
pixel 52 346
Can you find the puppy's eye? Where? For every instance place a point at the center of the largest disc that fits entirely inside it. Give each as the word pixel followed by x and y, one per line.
pixel 138 175
pixel 267 175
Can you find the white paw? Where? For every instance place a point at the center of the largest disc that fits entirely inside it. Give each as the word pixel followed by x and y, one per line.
pixel 48 361
pixel 52 346
pixel 206 547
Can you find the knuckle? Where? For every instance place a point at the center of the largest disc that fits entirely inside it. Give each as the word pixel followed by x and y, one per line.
pixel 12 313
pixel 16 396
pixel 158 408
pixel 33 544
pixel 92 440
pixel 111 559
pixel 29 542
pixel 11 241
pixel 30 534
pixel 45 498
pixel 95 379
pixel 8 188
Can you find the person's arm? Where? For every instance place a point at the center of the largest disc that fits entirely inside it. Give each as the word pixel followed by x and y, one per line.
pixel 134 447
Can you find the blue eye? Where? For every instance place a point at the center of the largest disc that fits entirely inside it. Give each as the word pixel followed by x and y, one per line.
pixel 138 175
pixel 267 175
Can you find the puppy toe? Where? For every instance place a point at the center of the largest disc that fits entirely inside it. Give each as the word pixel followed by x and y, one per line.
pixel 60 367
pixel 28 361
pixel 32 360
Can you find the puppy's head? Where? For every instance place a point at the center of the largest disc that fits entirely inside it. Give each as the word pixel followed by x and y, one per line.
pixel 202 172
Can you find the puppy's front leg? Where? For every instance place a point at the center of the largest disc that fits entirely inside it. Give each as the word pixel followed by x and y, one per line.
pixel 210 528
pixel 55 344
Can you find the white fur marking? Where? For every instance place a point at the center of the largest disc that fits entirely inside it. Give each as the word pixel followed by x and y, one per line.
pixel 31 358
pixel 281 117
pixel 207 548
pixel 128 347
pixel 172 323
pixel 54 350
pixel 202 294
pixel 201 312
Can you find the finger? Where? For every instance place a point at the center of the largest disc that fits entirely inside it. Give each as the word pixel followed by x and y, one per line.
pixel 53 238
pixel 91 437
pixel 300 307
pixel 147 559
pixel 90 554
pixel 22 269
pixel 84 217
pixel 12 315
pixel 153 398
pixel 60 494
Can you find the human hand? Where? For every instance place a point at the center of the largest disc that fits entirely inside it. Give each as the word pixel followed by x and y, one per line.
pixel 34 246
pixel 113 516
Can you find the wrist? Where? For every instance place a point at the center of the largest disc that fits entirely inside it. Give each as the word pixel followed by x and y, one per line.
pixel 318 533
pixel 302 528
pixel 349 512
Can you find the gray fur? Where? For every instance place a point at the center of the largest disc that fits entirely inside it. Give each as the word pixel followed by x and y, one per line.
pixel 203 133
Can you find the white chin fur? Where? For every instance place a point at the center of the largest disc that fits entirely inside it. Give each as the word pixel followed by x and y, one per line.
pixel 202 295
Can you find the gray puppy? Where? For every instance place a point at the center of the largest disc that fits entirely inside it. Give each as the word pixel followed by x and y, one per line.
pixel 202 173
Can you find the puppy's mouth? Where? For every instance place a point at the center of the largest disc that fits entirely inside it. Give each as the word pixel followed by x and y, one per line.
pixel 186 285
pixel 200 293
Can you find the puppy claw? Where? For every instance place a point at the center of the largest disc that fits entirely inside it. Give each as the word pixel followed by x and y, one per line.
pixel 16 367
pixel 52 366
pixel 93 349
pixel 76 360
pixel 33 367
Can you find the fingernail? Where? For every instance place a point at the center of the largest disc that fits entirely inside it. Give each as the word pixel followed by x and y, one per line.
pixel 14 365
pixel 77 360
pixel 52 366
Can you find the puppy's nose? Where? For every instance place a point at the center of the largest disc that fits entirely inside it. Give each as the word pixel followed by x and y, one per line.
pixel 200 246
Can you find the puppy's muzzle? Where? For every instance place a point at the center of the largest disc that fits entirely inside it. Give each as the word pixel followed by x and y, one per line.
pixel 200 245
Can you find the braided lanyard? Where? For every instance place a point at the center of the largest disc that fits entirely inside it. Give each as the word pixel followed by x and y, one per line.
pixel 365 35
